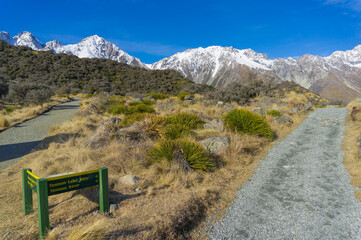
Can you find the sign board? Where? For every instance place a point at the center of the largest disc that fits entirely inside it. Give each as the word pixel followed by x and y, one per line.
pixel 66 183
pixel 45 187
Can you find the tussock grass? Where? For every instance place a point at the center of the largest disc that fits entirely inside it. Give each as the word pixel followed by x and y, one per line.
pixel 247 122
pixel 158 96
pixel 274 113
pixel 196 156
pixel 4 123
pixel 183 94
pixel 190 120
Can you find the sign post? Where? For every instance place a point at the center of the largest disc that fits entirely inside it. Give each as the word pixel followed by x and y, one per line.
pixel 45 187
pixel 27 193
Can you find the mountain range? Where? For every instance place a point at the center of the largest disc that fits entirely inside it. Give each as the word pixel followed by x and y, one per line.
pixel 336 77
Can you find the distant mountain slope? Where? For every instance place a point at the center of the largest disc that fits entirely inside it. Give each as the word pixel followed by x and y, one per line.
pixel 90 47
pixel 337 77
pixel 62 72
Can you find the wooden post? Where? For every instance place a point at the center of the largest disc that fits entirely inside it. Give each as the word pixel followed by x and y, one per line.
pixel 103 190
pixel 27 193
pixel 43 206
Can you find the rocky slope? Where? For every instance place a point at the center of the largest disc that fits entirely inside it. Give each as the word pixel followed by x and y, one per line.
pixel 90 47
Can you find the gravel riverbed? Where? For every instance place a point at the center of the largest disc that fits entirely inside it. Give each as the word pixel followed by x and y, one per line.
pixel 301 190
pixel 21 139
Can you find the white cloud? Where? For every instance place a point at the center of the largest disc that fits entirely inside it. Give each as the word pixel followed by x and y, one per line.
pixel 351 4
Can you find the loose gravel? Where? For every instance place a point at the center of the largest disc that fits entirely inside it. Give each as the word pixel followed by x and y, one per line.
pixel 21 139
pixel 300 191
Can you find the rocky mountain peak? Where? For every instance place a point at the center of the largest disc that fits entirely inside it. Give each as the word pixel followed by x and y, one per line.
pixel 27 39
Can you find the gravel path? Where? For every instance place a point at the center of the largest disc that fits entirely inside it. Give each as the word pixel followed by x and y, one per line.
pixel 300 191
pixel 19 140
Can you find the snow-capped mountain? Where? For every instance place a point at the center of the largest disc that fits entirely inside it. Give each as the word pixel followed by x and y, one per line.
pixel 216 66
pixel 336 76
pixel 27 39
pixel 90 47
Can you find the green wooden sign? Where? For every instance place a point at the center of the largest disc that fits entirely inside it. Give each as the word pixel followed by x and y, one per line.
pixel 70 182
pixel 45 187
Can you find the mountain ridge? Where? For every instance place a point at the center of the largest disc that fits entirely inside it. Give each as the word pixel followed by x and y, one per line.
pixel 337 76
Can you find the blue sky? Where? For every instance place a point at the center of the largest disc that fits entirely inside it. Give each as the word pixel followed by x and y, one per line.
pixel 152 29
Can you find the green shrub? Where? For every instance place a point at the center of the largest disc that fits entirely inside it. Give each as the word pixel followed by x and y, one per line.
pixel 196 156
pixel 183 94
pixel 174 131
pixel 247 122
pixel 189 120
pixel 140 108
pixel 162 151
pixel 157 96
pixel 133 118
pixel 117 109
pixel 274 113
pixel 148 102
pixel 9 109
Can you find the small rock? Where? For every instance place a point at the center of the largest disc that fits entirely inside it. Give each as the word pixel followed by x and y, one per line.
pixel 129 180
pixel 216 124
pixel 215 144
pixel 113 207
pixel 6 234
pixel 188 97
pixel 166 107
pixel 149 98
pixel 189 102
pixel 358 100
pixel 137 189
pixel 283 119
pixel 137 100
pixel 220 104
pixel 101 136
pixel 296 110
pixel 260 111
pixel 228 107
pixel 307 106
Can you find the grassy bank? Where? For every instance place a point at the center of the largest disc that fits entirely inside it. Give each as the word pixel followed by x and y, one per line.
pixel 352 160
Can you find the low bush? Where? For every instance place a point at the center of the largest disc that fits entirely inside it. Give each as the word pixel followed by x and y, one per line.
pixel 183 94
pixel 247 122
pixel 196 156
pixel 117 109
pixel 174 131
pixel 274 113
pixel 146 102
pixel 133 118
pixel 9 109
pixel 189 120
pixel 158 96
pixel 140 108
pixel 154 126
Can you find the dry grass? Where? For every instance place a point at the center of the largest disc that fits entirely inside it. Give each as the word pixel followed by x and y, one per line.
pixel 169 203
pixel 21 114
pixel 352 160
